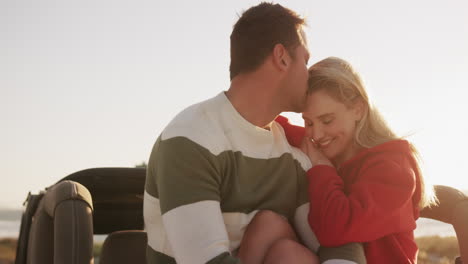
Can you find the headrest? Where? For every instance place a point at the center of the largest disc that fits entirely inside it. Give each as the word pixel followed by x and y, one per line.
pixel 66 190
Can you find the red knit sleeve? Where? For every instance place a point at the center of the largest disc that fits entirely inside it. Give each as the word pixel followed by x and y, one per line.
pixel 379 203
pixel 294 134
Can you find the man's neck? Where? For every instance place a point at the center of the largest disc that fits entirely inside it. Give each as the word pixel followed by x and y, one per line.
pixel 255 100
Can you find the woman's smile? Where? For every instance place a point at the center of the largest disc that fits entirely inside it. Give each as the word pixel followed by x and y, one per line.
pixel 323 144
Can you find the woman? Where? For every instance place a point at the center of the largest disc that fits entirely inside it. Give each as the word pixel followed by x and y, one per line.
pixel 365 184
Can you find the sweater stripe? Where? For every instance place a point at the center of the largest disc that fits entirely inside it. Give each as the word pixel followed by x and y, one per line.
pixel 208 237
pixel 235 223
pixel 184 168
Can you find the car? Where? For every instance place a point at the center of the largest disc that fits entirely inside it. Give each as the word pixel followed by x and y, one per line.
pixel 59 224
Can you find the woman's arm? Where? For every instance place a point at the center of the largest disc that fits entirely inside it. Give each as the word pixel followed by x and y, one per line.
pixel 379 202
pixel 294 133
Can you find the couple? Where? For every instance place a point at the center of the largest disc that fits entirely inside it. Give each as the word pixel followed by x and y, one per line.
pixel 231 181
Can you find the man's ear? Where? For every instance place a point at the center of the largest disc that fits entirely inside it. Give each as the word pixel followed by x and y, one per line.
pixel 281 58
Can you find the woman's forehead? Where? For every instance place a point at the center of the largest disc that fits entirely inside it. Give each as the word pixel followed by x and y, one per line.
pixel 320 103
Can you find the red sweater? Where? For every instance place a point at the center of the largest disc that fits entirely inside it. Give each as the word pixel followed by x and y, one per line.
pixel 373 198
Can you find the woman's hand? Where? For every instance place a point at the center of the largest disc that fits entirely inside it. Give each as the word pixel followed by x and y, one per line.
pixel 310 148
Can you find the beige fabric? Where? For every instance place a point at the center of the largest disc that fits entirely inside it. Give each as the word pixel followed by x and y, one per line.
pixel 66 190
pixel 62 227
pixel 460 224
pixel 123 247
pixel 452 208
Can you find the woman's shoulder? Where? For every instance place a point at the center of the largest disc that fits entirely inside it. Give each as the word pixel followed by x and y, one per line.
pixel 395 152
pixel 391 157
pixel 397 147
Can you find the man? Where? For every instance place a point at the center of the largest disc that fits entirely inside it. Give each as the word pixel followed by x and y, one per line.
pixel 221 161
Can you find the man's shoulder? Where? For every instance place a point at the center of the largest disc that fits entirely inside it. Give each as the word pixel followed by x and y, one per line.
pixel 198 123
pixel 295 152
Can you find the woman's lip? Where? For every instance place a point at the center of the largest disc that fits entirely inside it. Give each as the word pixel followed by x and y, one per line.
pixel 325 143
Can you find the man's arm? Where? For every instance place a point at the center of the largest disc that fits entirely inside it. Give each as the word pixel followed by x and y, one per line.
pixel 188 179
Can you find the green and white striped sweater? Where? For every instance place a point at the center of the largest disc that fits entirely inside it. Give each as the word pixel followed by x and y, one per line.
pixel 209 173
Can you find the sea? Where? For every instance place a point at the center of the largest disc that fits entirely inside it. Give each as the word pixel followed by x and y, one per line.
pixel 10 221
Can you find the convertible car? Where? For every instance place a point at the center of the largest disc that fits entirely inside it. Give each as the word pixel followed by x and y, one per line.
pixel 58 224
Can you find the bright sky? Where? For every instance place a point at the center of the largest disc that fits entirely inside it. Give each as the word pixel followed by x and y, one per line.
pixel 92 83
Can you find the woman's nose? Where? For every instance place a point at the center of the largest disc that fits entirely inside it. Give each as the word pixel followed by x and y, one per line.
pixel 316 133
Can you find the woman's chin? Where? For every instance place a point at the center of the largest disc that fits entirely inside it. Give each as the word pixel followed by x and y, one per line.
pixel 328 154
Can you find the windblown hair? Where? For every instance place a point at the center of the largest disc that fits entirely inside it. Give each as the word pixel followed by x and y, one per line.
pixel 257 32
pixel 339 80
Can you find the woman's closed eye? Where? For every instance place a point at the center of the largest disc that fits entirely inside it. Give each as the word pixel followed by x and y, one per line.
pixel 324 121
pixel 327 121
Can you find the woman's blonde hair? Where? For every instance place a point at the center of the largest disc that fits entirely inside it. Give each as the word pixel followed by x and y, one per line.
pixel 338 78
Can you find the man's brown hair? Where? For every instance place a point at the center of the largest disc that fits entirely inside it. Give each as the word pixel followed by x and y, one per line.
pixel 257 32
